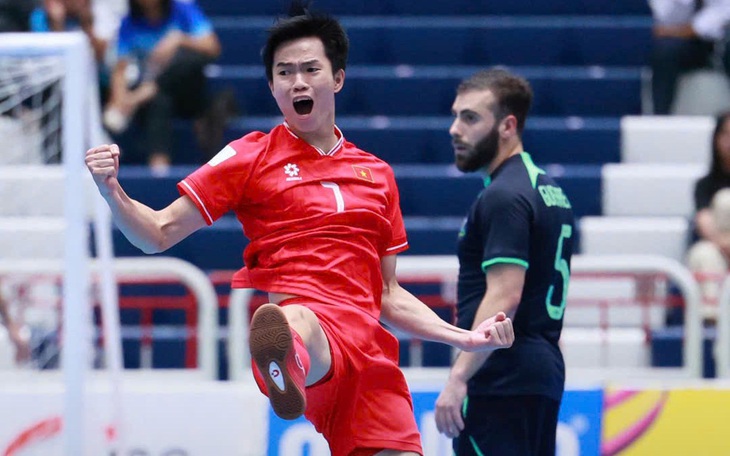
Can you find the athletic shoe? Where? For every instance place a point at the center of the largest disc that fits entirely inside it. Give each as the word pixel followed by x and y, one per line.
pixel 273 351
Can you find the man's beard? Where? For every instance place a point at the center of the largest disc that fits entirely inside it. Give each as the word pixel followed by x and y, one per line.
pixel 482 155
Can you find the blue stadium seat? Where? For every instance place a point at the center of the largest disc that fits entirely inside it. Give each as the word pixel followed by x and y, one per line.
pixel 583 58
pixel 475 40
pixel 434 200
pixel 425 190
pixel 434 7
pixel 407 58
pixel 419 91
pixel 220 246
pixel 168 352
pixel 424 140
pixel 666 349
pixel 432 190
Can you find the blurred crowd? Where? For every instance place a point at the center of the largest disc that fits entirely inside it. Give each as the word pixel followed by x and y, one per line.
pixel 151 57
pixel 690 38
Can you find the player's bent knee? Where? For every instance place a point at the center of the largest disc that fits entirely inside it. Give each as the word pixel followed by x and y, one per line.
pixel 297 314
pixel 303 320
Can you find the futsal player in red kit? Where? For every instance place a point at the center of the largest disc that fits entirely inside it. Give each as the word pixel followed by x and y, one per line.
pixel 324 224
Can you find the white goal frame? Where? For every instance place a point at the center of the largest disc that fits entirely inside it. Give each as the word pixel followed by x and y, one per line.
pixel 73 48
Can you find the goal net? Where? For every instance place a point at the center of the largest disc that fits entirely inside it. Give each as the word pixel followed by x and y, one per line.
pixel 30 108
pixel 49 116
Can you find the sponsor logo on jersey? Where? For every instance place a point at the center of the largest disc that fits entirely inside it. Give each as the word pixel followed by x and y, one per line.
pixel 292 171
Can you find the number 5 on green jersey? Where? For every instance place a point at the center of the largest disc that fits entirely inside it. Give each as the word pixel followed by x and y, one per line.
pixel 561 265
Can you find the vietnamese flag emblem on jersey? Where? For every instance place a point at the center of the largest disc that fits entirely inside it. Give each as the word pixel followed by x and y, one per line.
pixel 363 173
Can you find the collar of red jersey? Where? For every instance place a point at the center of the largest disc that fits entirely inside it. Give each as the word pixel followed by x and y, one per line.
pixel 335 148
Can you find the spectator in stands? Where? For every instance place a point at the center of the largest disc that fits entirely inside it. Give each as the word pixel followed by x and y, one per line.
pixel 709 257
pixel 164 46
pixel 30 313
pixel 686 35
pixel 514 253
pixel 67 15
pixel 324 223
pixel 15 15
pixel 16 332
pixel 98 19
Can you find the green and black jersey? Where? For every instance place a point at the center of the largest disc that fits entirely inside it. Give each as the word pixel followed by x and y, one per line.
pixel 522 217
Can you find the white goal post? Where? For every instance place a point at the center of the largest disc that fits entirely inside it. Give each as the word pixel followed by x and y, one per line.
pixel 45 235
pixel 78 78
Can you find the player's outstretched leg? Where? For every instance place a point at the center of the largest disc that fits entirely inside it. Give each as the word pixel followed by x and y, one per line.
pixel 275 350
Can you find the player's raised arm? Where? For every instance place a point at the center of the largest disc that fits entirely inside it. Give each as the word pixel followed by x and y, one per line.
pixel 404 311
pixel 150 230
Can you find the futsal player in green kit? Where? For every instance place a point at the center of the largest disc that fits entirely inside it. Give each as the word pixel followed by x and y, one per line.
pixel 514 254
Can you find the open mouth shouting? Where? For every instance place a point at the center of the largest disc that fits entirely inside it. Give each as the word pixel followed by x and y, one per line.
pixel 303 105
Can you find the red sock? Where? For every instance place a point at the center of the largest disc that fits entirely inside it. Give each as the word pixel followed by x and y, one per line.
pixel 301 350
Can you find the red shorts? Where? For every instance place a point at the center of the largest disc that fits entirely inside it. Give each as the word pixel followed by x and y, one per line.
pixel 363 402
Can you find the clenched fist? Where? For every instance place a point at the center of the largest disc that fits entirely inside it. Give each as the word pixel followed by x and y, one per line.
pixel 103 164
pixel 493 333
pixel 498 330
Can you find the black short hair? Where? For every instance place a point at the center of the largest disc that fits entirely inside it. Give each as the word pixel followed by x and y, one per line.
pixel 301 23
pixel 717 170
pixel 136 12
pixel 513 93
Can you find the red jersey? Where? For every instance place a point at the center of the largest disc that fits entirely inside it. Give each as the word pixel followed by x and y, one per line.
pixel 318 222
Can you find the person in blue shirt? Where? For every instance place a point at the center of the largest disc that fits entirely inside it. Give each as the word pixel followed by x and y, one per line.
pixel 514 254
pixel 162 51
pixel 99 20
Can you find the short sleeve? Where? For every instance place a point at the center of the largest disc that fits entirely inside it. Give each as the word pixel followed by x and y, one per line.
pixel 39 21
pixel 506 220
pixel 196 23
pixel 399 240
pixel 220 185
pixel 124 40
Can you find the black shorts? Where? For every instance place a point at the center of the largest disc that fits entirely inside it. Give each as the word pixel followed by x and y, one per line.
pixel 509 426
